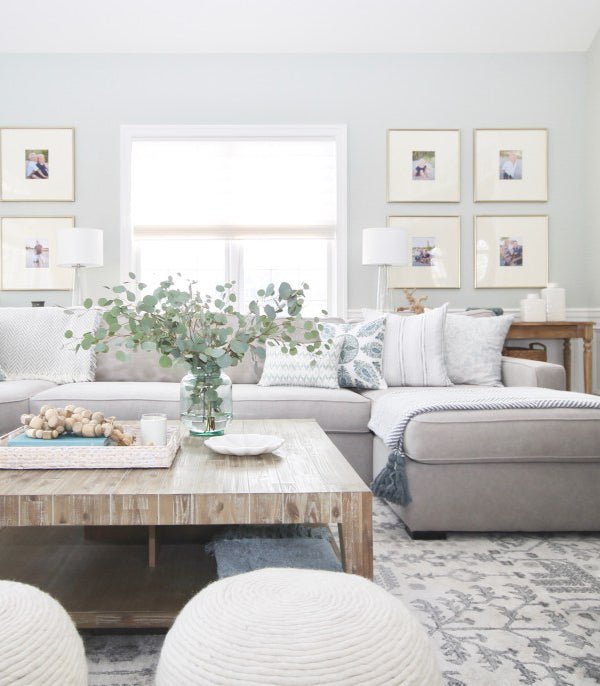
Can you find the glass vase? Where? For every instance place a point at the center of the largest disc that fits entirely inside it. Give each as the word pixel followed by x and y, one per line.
pixel 206 405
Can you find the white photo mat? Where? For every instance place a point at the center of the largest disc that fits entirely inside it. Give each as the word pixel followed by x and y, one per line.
pixel 431 177
pixel 438 268
pixel 511 251
pixel 28 256
pixel 492 150
pixel 58 145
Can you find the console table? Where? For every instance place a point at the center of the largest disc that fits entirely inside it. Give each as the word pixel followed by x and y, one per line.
pixel 564 331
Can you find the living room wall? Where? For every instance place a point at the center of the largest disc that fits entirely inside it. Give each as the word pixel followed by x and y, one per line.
pixel 592 167
pixel 98 93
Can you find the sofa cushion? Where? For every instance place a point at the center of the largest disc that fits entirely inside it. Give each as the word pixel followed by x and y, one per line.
pixel 125 399
pixel 335 409
pixel 534 435
pixel 14 400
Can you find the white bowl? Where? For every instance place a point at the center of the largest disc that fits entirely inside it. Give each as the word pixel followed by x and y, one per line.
pixel 244 444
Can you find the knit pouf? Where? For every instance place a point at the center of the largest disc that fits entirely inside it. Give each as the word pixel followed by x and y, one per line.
pixel 296 626
pixel 39 644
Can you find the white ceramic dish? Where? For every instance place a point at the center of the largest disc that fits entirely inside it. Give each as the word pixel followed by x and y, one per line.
pixel 244 444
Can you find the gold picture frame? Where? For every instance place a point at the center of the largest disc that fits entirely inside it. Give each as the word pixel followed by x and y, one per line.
pixel 53 180
pixel 423 165
pixel 493 149
pixel 510 251
pixel 28 255
pixel 434 252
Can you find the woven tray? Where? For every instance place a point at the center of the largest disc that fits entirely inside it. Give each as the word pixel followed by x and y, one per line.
pixel 91 457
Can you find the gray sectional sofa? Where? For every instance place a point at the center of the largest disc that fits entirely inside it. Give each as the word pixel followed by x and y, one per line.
pixel 501 470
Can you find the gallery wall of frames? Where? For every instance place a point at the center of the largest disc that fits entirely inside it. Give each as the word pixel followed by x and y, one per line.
pixel 423 166
pixel 509 165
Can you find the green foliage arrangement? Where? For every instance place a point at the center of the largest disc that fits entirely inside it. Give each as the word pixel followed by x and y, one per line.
pixel 202 331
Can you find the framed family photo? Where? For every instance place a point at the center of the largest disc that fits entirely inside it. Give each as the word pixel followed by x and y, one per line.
pixel 37 165
pixel 511 251
pixel 434 253
pixel 423 165
pixel 510 165
pixel 29 254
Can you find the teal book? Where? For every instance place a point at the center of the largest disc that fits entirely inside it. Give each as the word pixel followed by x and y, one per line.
pixel 23 441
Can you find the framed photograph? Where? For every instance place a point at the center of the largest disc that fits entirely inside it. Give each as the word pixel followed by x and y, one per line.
pixel 37 165
pixel 434 253
pixel 510 165
pixel 511 251
pixel 29 254
pixel 423 165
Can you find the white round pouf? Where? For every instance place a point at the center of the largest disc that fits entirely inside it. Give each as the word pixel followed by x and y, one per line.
pixel 296 626
pixel 39 644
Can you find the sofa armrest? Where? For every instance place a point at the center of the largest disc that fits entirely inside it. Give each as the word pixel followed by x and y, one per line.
pixel 520 372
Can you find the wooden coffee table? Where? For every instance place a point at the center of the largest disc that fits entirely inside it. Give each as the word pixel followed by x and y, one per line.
pixel 307 482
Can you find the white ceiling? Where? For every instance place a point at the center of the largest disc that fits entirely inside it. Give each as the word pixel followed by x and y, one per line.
pixel 297 26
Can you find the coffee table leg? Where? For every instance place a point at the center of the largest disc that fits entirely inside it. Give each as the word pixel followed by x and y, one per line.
pixel 152 546
pixel 356 533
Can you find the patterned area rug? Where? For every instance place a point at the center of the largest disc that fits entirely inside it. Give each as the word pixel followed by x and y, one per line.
pixel 501 610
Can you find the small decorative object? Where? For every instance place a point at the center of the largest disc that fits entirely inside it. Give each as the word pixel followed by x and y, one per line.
pixel 384 247
pixel 511 165
pixel 38 303
pixel 533 308
pixel 37 164
pixel 244 444
pixel 511 251
pixel 423 165
pixel 433 253
pixel 556 303
pixel 52 423
pixel 153 428
pixel 414 304
pixel 203 332
pixel 79 248
pixel 29 247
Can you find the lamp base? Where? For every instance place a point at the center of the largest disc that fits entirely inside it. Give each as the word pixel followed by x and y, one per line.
pixel 76 299
pixel 383 292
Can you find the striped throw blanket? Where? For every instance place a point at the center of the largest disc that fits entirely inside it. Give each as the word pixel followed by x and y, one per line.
pixel 392 412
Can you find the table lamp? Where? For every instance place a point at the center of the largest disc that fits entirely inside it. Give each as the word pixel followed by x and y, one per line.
pixel 384 247
pixel 78 248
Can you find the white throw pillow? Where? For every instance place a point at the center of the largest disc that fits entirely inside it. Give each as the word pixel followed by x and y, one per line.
pixel 33 343
pixel 474 348
pixel 413 352
pixel 283 369
pixel 360 363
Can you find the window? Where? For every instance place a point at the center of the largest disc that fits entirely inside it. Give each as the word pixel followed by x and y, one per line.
pixel 220 204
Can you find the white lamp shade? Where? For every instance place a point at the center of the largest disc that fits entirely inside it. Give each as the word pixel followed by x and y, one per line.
pixel 80 247
pixel 385 246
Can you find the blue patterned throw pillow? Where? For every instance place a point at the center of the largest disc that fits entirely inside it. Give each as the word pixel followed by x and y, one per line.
pixel 360 362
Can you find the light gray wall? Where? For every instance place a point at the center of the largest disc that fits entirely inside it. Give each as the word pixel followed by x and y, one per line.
pixel 97 94
pixel 592 157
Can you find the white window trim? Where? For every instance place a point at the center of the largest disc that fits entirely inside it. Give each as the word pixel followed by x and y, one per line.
pixel 337 132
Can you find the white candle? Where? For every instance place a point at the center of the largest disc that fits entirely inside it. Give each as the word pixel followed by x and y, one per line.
pixel 153 429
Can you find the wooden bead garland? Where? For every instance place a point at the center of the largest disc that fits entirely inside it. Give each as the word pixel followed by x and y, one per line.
pixel 52 422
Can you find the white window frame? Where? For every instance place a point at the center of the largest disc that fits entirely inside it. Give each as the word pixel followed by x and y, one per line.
pixel 337 132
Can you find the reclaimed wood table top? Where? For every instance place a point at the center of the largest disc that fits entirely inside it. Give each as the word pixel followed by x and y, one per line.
pixel 201 487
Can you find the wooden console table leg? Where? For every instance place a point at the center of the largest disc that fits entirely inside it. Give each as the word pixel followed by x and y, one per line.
pixel 152 546
pixel 567 361
pixel 356 533
pixel 587 359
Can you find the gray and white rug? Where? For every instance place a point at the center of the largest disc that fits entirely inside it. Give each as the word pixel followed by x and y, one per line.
pixel 501 610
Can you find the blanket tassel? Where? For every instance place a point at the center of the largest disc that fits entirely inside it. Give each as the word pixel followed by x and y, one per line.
pixel 392 483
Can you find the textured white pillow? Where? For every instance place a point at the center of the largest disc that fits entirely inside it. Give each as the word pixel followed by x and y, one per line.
pixel 33 343
pixel 413 352
pixel 474 348
pixel 283 369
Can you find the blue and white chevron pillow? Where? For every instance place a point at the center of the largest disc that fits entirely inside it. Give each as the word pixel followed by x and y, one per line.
pixel 283 369
pixel 360 364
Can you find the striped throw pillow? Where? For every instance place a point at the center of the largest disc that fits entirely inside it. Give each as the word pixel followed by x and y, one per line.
pixel 413 352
